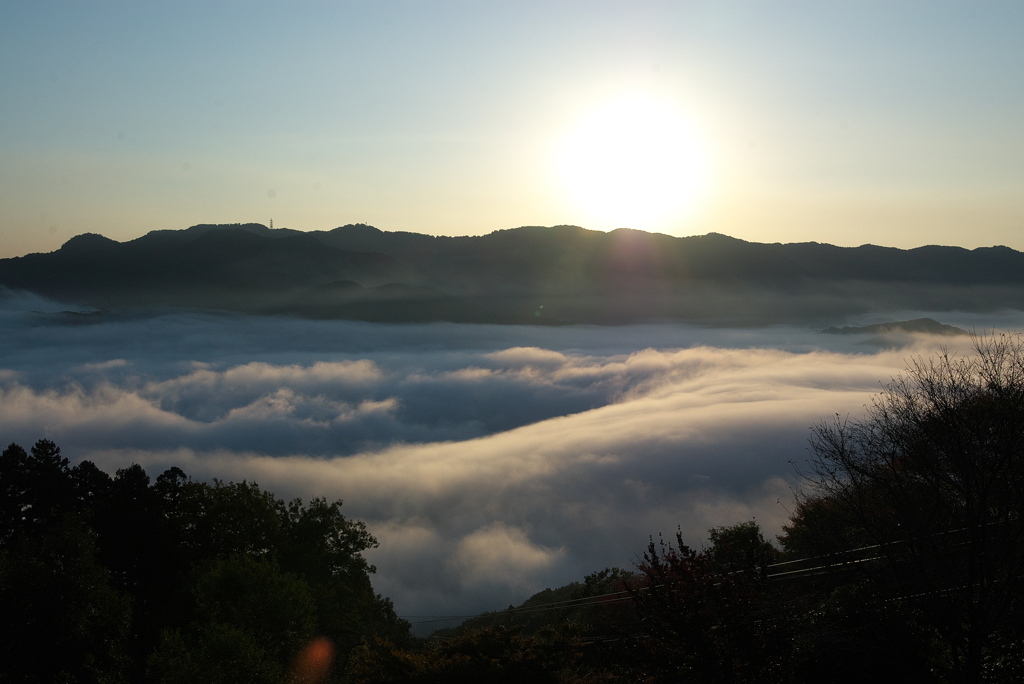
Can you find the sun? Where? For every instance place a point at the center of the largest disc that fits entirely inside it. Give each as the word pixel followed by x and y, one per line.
pixel 633 162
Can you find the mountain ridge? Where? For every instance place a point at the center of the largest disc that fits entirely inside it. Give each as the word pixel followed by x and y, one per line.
pixel 578 275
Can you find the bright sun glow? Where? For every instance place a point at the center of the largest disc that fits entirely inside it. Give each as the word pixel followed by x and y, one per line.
pixel 635 162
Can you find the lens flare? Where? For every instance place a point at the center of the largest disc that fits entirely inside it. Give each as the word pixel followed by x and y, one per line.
pixel 313 663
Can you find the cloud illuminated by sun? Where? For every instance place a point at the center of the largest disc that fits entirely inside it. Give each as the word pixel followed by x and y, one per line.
pixel 634 161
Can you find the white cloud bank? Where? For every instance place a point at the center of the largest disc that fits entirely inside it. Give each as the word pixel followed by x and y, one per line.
pixel 490 462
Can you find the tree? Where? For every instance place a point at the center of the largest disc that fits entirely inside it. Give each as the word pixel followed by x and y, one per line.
pixel 250 620
pixel 62 619
pixel 223 520
pixel 711 615
pixel 178 577
pixel 931 478
pixel 314 543
pixel 36 489
pixel 490 654
pixel 741 548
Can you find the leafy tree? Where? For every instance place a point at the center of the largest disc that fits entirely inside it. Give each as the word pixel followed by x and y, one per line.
pixel 130 518
pixel 313 542
pixel 274 606
pixel 35 489
pixel 90 485
pixel 819 526
pixel 14 492
pixel 491 654
pixel 62 620
pixel 932 478
pixel 847 636
pixel 192 581
pixel 228 519
pixel 710 615
pixel 218 653
pixel 247 613
pixel 321 543
pixel 741 548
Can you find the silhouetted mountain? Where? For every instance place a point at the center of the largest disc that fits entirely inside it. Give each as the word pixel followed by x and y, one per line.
pixel 219 268
pixel 561 274
pixel 532 253
pixel 918 325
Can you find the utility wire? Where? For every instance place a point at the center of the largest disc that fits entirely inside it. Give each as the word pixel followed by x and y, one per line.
pixel 787 574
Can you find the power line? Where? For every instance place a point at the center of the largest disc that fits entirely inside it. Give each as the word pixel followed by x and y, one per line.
pixel 787 574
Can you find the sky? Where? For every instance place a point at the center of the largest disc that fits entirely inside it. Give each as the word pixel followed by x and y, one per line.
pixel 890 123
pixel 491 462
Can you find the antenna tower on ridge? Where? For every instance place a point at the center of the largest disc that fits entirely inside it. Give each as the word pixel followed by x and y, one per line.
pixel 271 224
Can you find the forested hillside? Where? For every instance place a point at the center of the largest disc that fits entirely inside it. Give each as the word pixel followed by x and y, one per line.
pixel 128 579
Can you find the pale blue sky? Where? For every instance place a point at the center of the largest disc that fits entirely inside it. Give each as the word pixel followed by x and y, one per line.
pixel 894 123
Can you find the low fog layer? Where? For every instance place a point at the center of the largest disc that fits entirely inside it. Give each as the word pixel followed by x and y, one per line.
pixel 490 461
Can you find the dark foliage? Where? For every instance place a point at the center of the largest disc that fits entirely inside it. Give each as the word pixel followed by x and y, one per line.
pixel 62 620
pixel 491 654
pixel 929 485
pixel 125 579
pixel 710 615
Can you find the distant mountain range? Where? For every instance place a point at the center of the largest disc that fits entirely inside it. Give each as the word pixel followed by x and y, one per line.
pixel 918 325
pixel 561 274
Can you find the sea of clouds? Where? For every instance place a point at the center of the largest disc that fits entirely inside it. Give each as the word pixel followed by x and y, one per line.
pixel 489 461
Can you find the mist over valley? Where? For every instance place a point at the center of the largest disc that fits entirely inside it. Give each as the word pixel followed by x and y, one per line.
pixel 491 459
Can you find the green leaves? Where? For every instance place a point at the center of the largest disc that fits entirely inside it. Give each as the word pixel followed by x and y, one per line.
pixel 185 581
